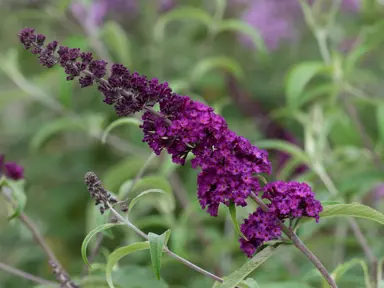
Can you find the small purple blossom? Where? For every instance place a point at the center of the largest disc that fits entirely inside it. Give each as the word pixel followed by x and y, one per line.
pixel 11 169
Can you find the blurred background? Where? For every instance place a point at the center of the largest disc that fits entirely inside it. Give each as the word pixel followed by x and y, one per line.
pixel 308 88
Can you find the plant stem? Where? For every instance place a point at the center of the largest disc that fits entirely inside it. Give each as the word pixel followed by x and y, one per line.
pixel 166 250
pixel 321 37
pixel 300 245
pixel 26 275
pixel 36 234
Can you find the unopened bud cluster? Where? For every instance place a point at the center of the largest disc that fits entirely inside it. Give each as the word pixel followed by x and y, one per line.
pixel 98 193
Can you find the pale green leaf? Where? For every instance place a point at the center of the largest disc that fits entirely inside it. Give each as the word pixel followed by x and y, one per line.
pixel 146 192
pixel 120 253
pixel 237 276
pixel 380 121
pixel 344 267
pixel 95 219
pixel 250 283
pixel 119 122
pixel 298 78
pixel 246 29
pixel 125 170
pixel 52 128
pixel 18 194
pixel 118 42
pixel 156 182
pixel 328 203
pixel 219 62
pixel 232 212
pixel 156 246
pixel 182 13
pixel 88 238
pixel 353 210
pixel 285 146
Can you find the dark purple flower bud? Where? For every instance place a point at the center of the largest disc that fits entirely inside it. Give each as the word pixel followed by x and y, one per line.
pixel 40 39
pixel 27 37
pixel 86 57
pixel 98 68
pixel 14 171
pixel 86 81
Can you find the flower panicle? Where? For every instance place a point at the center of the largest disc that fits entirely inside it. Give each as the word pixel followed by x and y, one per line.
pixel 229 163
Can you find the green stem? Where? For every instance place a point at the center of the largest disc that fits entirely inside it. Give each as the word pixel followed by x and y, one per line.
pixel 166 250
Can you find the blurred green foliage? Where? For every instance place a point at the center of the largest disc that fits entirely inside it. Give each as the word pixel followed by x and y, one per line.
pixel 54 129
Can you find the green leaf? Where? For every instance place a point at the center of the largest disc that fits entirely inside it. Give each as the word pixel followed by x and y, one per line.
pixel 65 92
pixel 52 128
pixel 380 121
pixel 236 277
pixel 18 194
pixel 156 246
pixel 219 62
pixel 88 238
pixel 182 13
pixel 119 122
pixel 123 171
pixel 120 253
pixel 298 78
pixel 353 210
pixel 244 28
pixel 131 276
pixel 232 212
pixel 285 146
pixel 344 267
pixel 249 283
pixel 137 198
pixel 160 183
pixel 328 203
pixel 118 42
pixel 379 268
pixel 95 219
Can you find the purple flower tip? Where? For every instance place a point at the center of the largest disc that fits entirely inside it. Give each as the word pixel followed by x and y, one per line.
pixel 11 169
pixel 14 171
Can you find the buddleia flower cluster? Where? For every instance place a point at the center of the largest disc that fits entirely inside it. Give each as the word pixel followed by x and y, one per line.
pixel 287 201
pixel 229 164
